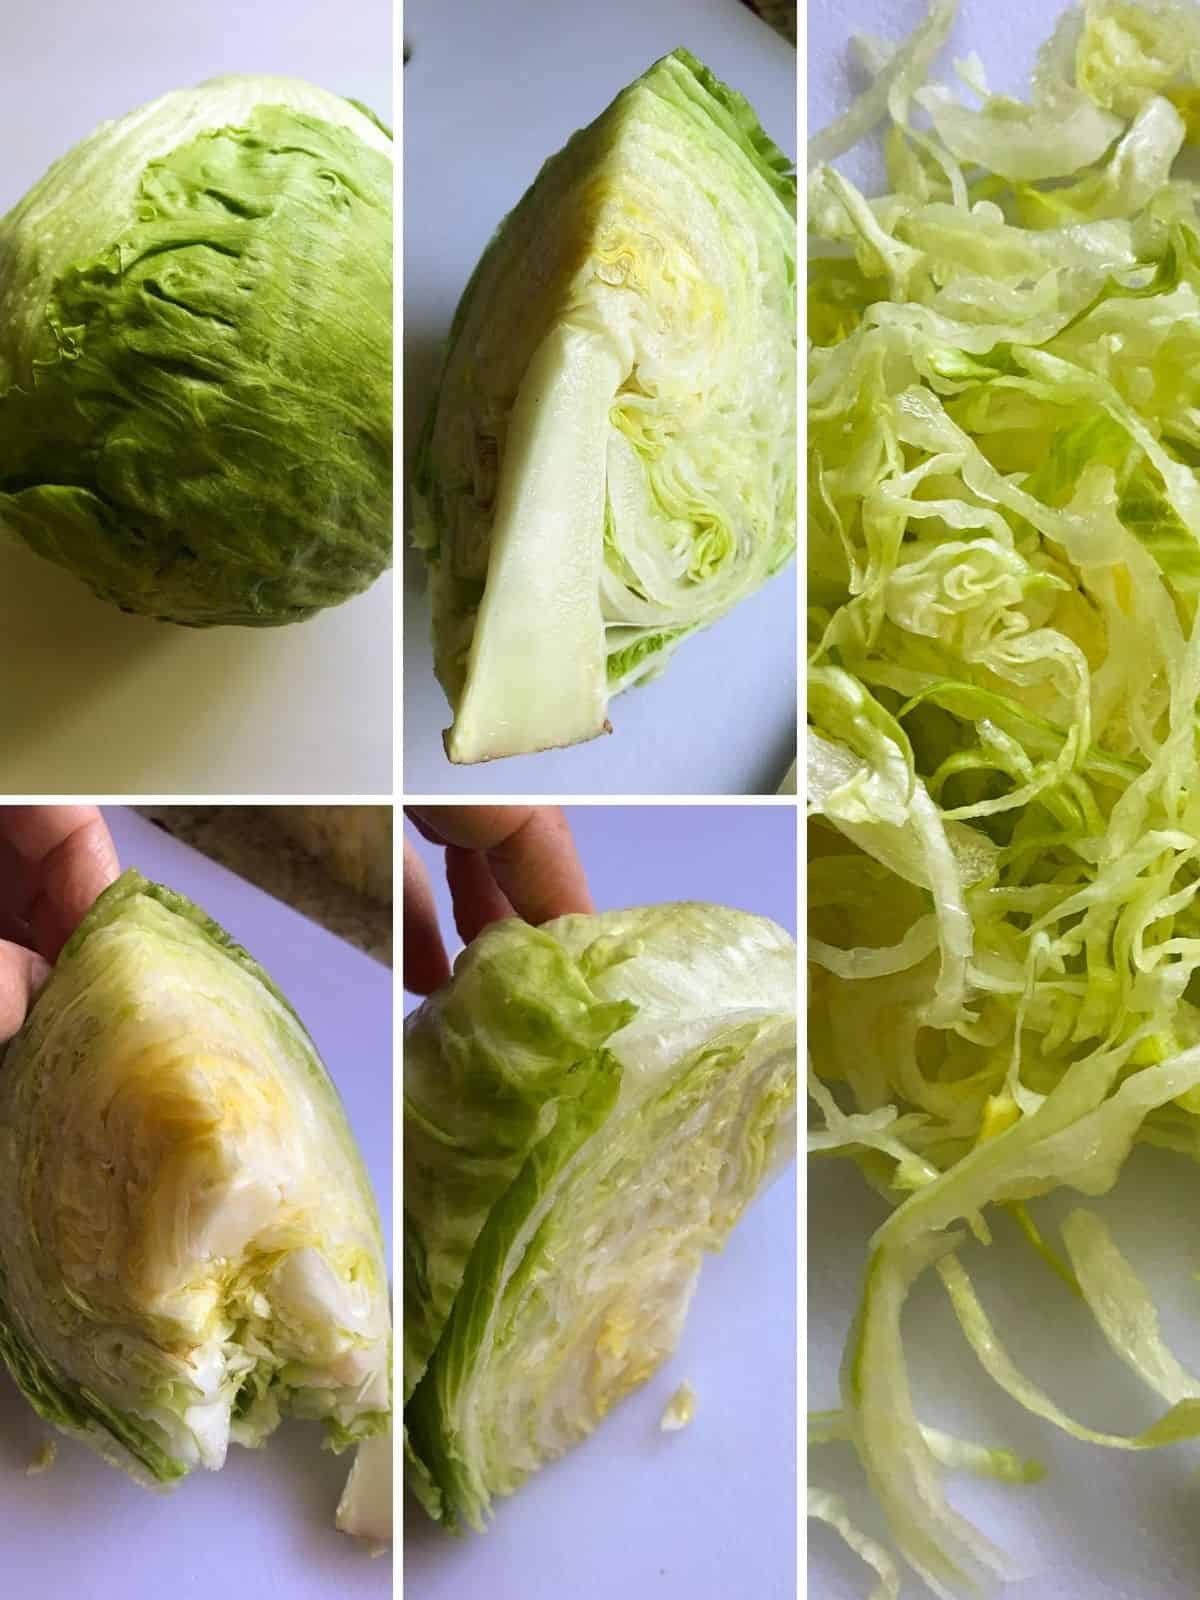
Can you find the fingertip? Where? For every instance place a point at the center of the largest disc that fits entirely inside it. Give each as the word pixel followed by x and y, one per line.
pixel 73 875
pixel 539 869
pixel 477 899
pixel 22 974
pixel 425 964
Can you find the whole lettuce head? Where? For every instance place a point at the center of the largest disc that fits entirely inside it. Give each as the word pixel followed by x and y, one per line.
pixel 589 1107
pixel 610 461
pixel 196 356
pixel 189 1246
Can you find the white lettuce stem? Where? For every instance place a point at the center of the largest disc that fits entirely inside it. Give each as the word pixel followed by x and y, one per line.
pixel 536 674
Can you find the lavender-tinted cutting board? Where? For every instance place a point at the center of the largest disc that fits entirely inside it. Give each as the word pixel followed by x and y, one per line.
pixel 708 1513
pixel 491 90
pixel 263 1525
pixel 1103 1525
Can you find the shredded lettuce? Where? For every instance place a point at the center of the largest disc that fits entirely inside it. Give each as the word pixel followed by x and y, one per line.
pixel 825 1506
pixel 1003 773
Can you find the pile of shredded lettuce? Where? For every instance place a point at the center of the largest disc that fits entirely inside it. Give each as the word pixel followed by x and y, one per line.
pixel 1004 572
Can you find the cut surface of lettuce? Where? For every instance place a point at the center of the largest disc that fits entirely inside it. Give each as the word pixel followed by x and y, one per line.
pixel 365 1509
pixel 1003 774
pixel 589 1107
pixel 609 461
pixel 189 1245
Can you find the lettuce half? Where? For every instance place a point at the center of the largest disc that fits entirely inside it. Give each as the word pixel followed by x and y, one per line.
pixel 589 1107
pixel 189 1245
pixel 609 462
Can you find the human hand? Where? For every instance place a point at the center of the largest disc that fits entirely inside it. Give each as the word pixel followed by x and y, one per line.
pixel 501 861
pixel 54 861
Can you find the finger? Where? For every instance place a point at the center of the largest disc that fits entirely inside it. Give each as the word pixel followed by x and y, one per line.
pixel 74 872
pixel 418 815
pixel 529 850
pixel 22 974
pixel 425 965
pixel 474 893
pixel 70 857
pixel 14 894
pixel 538 867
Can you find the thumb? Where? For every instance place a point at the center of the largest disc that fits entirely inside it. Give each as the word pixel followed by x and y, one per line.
pixel 22 974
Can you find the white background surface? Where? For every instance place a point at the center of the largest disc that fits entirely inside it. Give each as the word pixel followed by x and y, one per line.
pixel 492 89
pixel 97 702
pixel 708 1513
pixel 1103 1525
pixel 263 1525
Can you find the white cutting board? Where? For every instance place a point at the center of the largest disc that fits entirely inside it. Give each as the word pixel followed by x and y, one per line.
pixel 1103 1525
pixel 97 702
pixel 491 90
pixel 708 1513
pixel 263 1525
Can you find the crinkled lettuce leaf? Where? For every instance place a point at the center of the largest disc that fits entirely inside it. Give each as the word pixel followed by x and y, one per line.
pixel 196 356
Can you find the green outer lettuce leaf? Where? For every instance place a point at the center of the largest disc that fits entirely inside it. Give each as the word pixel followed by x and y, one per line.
pixel 196 356
pixel 491 1062
pixel 609 461
pixel 189 1246
pixel 589 1107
